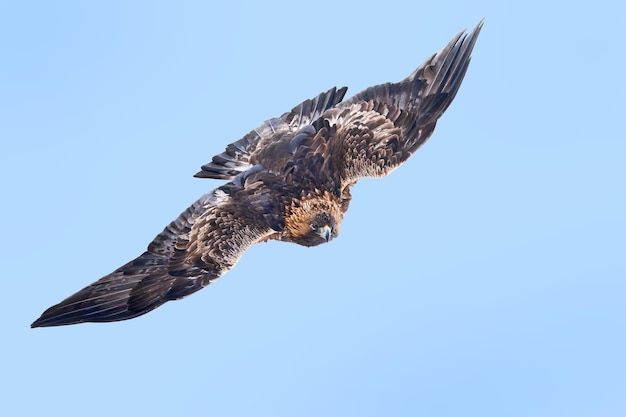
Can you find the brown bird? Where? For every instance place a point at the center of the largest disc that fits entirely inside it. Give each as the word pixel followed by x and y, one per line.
pixel 289 180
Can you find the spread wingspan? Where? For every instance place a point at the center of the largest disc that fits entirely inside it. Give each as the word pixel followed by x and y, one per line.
pixel 290 180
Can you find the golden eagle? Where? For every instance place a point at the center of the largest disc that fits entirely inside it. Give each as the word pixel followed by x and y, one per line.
pixel 289 180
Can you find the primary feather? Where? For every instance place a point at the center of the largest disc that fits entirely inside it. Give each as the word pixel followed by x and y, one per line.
pixel 289 180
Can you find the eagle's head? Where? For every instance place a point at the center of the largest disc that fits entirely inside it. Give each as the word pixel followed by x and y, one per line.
pixel 313 221
pixel 324 226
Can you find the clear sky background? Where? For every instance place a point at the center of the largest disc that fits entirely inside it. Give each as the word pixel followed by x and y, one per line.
pixel 485 277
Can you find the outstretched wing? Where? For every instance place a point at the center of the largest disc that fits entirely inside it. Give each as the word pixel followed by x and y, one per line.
pixel 239 156
pixel 379 128
pixel 194 250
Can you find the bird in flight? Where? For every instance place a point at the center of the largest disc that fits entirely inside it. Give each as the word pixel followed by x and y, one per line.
pixel 288 180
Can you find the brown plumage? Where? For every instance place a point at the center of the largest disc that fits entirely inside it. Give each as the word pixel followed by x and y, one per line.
pixel 289 180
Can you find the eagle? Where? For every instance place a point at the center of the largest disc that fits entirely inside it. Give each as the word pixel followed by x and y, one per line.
pixel 288 180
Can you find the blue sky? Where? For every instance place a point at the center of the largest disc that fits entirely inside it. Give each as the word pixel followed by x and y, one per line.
pixel 485 277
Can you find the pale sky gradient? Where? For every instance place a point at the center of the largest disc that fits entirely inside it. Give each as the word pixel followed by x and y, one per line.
pixel 485 277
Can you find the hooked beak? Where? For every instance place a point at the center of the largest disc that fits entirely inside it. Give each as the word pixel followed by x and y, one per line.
pixel 325 232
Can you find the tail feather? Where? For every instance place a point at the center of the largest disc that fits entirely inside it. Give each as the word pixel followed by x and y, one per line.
pixel 237 156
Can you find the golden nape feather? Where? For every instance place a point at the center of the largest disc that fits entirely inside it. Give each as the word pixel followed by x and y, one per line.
pixel 288 180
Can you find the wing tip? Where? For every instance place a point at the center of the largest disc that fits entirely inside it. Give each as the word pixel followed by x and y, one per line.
pixel 47 319
pixel 45 323
pixel 63 314
pixel 50 318
pixel 447 70
pixel 37 323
